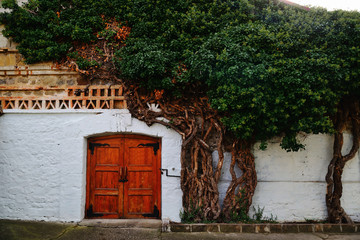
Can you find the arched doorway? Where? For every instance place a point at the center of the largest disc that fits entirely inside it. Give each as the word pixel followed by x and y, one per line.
pixel 123 177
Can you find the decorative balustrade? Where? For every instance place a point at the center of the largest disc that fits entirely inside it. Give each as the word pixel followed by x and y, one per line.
pixel 74 97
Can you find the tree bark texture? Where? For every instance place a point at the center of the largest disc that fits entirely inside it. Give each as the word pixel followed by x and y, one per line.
pixel 239 194
pixel 198 125
pixel 202 133
pixel 348 114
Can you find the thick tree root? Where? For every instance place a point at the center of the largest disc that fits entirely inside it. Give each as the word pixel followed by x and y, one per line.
pixel 202 133
pixel 198 125
pixel 239 195
pixel 348 113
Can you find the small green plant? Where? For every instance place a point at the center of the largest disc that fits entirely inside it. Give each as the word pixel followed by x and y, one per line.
pixel 238 213
pixel 239 216
pixel 191 215
pixel 259 217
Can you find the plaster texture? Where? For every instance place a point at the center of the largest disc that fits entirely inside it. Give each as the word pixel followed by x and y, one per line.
pixel 43 162
pixel 291 185
pixel 43 168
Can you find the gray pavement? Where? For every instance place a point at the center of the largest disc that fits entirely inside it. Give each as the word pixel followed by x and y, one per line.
pixel 19 230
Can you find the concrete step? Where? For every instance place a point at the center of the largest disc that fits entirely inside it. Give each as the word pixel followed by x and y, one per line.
pixel 122 223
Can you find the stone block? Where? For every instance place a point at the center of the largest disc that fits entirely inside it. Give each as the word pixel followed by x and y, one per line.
pixel 357 227
pixel 262 228
pixel 51 93
pixel 213 228
pixel 306 228
pixel 228 228
pixel 180 227
pixel 348 228
pixel 248 228
pixel 318 228
pixel 6 94
pixel 275 228
pixel 60 82
pixel 10 81
pixel 22 80
pixel 290 228
pixel 38 93
pixel 332 228
pixel 47 81
pixel 71 82
pixel 7 59
pixel 199 228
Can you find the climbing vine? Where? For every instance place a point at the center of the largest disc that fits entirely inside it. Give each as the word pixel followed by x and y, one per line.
pixel 224 74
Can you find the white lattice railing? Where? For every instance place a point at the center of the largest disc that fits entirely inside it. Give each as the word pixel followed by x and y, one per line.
pixel 76 97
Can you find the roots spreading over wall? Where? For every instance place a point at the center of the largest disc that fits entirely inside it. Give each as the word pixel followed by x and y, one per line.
pixel 192 117
pixel 239 194
pixel 202 133
pixel 348 114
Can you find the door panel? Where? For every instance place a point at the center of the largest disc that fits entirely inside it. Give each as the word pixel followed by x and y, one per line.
pixel 142 170
pixel 104 192
pixel 139 199
pixel 123 177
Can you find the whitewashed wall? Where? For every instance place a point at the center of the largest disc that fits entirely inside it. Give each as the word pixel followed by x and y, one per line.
pixel 291 185
pixel 43 168
pixel 43 162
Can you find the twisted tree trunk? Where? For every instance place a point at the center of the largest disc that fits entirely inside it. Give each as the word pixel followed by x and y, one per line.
pixel 348 113
pixel 239 194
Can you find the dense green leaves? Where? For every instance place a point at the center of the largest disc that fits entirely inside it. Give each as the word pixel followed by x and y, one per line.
pixel 268 69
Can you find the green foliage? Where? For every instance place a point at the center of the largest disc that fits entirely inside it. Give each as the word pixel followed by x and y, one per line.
pixel 82 62
pixel 267 68
pixel 263 91
pixel 259 217
pixel 192 215
pixel 239 214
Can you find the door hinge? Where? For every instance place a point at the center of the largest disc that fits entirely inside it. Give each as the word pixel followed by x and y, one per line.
pixel 93 145
pixel 155 214
pixel 155 146
pixel 90 212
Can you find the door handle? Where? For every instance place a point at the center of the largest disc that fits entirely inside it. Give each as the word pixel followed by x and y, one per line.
pixel 123 175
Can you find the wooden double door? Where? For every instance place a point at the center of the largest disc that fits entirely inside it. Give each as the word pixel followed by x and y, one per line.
pixel 123 177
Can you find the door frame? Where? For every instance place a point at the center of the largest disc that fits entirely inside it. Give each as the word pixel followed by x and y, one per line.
pixel 123 136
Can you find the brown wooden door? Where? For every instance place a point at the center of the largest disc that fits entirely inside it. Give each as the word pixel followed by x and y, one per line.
pixel 123 177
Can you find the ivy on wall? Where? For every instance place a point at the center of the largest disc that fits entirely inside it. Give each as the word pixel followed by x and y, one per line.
pixel 266 69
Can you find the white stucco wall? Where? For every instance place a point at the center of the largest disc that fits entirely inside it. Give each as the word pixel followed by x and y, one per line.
pixel 291 185
pixel 43 168
pixel 43 162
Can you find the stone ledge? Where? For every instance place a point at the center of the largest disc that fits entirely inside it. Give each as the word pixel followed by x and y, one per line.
pixel 266 228
pixel 121 223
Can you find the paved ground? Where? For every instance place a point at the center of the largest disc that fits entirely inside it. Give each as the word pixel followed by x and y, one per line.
pixel 20 230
